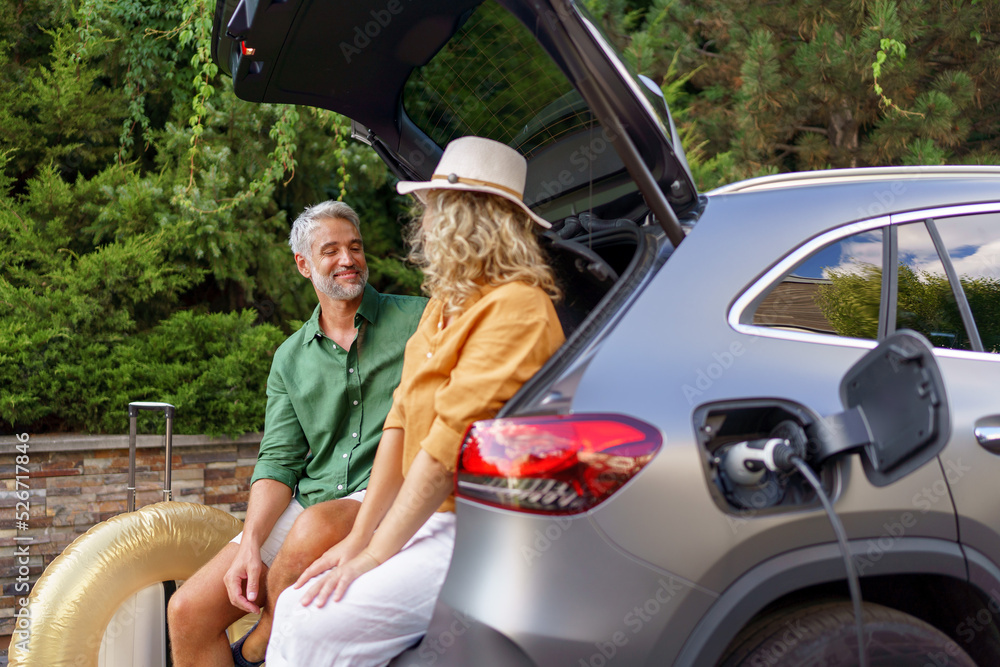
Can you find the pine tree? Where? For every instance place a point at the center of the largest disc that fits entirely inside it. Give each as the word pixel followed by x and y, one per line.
pixel 808 84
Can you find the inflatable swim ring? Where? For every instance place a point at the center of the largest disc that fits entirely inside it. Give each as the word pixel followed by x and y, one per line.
pixel 75 598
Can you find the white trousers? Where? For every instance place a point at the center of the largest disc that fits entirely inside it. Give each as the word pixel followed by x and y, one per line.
pixel 383 612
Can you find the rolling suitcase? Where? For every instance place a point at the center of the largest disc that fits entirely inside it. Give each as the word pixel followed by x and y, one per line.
pixel 136 635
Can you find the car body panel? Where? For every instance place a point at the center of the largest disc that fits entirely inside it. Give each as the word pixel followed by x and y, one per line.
pixel 753 367
pixel 547 577
pixel 788 572
pixel 971 469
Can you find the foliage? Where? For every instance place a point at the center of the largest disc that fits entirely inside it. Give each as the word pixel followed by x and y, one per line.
pixel 144 212
pixel 207 365
pixel 822 83
pixel 925 303
pixel 84 329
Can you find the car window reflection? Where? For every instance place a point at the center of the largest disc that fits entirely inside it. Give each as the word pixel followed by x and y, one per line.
pixel 494 80
pixel 973 244
pixel 836 290
pixel 925 300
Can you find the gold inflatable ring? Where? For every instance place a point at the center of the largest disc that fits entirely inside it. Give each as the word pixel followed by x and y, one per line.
pixel 75 598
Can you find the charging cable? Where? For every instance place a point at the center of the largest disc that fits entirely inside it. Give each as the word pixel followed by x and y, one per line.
pixel 838 528
pixel 746 463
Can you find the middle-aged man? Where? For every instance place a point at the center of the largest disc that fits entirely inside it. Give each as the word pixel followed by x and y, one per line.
pixel 328 393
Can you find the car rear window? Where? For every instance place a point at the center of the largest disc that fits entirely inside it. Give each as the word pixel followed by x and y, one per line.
pixel 494 80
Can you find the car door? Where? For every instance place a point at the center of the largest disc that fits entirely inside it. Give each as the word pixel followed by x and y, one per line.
pixel 948 287
pixel 935 271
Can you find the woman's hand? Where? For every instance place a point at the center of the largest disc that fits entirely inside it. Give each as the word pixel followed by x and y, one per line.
pixel 338 579
pixel 335 556
pixel 423 491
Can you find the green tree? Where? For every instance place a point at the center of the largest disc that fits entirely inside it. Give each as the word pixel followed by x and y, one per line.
pixel 813 84
pixel 144 213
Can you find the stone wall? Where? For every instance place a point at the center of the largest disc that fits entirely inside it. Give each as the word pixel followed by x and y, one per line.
pixel 74 482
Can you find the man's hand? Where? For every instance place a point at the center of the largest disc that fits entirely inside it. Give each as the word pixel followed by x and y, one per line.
pixel 246 567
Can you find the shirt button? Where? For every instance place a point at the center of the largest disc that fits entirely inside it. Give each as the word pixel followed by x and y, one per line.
pixel 354 435
pixel 429 355
pixel 340 486
pixel 350 370
pixel 355 402
pixel 345 456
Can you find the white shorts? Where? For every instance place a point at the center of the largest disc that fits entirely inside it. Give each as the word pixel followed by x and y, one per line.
pixel 382 614
pixel 269 550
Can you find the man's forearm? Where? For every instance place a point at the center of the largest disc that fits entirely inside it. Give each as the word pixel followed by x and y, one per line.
pixel 268 499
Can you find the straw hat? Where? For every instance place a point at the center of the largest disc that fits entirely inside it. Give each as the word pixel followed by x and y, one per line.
pixel 475 164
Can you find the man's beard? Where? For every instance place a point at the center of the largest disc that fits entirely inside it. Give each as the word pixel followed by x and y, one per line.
pixel 329 286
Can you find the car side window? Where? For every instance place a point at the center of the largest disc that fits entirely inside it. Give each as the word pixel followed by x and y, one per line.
pixel 836 290
pixel 925 299
pixel 973 245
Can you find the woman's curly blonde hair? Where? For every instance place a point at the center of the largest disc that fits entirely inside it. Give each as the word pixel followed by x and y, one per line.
pixel 463 240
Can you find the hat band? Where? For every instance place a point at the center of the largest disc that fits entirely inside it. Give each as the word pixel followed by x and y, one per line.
pixel 452 178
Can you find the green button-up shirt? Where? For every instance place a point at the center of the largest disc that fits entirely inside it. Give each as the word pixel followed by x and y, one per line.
pixel 326 405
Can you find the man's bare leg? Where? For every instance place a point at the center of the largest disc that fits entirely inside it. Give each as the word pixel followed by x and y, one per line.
pixel 200 611
pixel 317 529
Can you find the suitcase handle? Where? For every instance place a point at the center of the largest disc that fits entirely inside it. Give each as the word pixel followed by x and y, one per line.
pixel 133 412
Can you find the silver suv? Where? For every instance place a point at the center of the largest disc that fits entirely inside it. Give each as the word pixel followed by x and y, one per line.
pixel 628 506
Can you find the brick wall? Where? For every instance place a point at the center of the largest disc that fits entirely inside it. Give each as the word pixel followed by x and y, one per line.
pixel 74 482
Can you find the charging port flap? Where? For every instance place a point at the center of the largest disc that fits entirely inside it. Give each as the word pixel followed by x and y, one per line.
pixel 898 390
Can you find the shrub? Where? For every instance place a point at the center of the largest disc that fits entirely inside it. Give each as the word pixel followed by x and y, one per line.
pixel 84 331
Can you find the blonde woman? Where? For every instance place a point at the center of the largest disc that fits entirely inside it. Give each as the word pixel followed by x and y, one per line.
pixel 489 326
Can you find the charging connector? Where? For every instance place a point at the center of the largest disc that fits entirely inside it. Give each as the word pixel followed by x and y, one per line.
pixel 746 464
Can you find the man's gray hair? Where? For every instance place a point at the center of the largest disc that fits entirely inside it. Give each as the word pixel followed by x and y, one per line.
pixel 300 238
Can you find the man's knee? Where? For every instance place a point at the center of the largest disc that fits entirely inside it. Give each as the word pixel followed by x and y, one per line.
pixel 316 529
pixel 325 523
pixel 184 609
pixel 198 604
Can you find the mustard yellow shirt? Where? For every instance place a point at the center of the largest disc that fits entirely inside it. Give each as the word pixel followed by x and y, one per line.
pixel 457 374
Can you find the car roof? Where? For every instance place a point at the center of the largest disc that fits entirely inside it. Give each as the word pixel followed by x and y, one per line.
pixel 857 175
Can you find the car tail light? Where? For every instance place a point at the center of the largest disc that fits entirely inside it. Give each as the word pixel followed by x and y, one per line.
pixel 552 465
